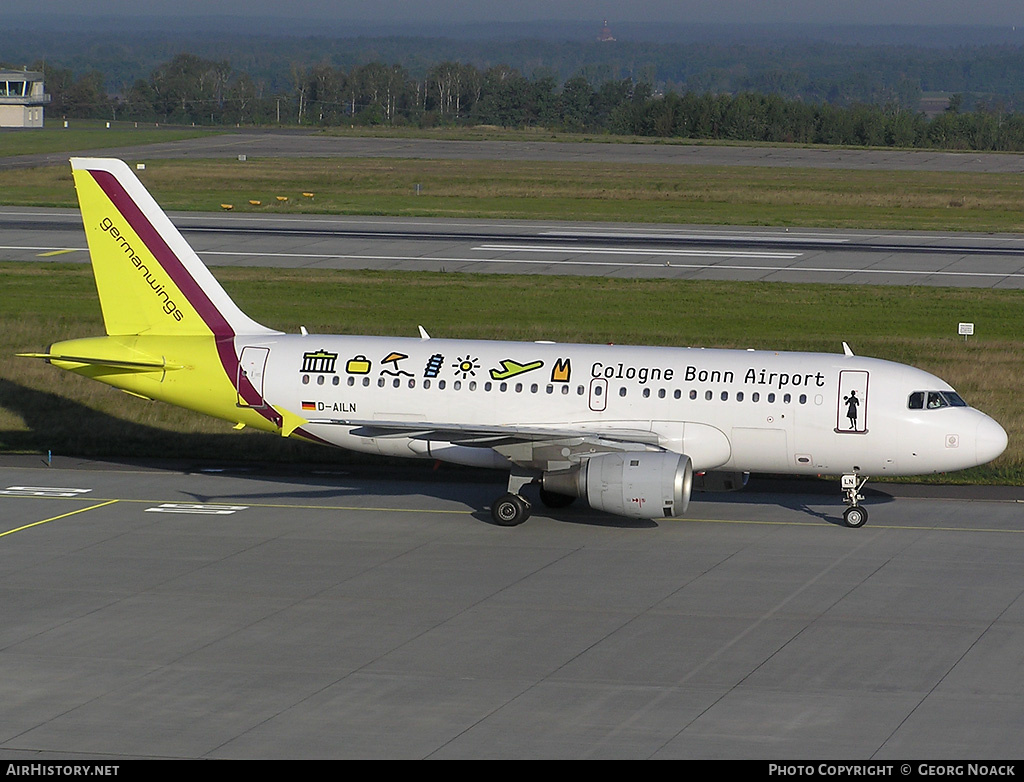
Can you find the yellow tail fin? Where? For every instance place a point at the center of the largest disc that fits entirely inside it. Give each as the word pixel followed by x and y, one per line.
pixel 150 281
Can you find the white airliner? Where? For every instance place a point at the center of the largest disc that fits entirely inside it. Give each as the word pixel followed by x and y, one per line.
pixel 631 429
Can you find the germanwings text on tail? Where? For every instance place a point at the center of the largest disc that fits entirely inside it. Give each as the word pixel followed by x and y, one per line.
pixel 633 430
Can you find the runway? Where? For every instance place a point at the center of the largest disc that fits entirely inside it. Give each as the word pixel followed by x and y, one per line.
pixel 180 613
pixel 517 247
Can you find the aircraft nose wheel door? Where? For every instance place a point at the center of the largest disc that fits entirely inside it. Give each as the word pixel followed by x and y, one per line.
pixel 251 366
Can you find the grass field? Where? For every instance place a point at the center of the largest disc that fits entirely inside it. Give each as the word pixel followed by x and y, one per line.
pixel 42 408
pixel 567 191
pixel 85 135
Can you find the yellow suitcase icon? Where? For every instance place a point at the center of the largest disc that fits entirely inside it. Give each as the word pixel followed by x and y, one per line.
pixel 359 365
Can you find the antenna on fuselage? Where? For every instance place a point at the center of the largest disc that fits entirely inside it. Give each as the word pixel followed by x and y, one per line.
pixel 846 350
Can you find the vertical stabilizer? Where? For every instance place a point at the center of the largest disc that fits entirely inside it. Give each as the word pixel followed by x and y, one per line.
pixel 150 281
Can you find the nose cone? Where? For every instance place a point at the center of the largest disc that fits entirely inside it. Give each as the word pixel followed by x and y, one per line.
pixel 990 440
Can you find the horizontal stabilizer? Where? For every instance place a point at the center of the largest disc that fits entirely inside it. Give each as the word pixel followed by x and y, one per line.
pixel 114 363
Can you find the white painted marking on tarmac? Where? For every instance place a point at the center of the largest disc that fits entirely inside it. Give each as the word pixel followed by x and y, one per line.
pixel 203 510
pixel 43 491
pixel 708 236
pixel 684 253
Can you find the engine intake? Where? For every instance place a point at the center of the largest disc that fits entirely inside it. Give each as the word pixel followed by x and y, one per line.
pixel 642 485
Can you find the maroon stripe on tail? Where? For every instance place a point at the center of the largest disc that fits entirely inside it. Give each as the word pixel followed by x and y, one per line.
pixel 223 333
pixel 164 255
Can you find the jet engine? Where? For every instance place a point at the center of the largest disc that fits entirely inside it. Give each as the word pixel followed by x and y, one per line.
pixel 643 484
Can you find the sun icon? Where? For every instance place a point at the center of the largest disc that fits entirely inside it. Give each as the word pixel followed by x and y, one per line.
pixel 466 366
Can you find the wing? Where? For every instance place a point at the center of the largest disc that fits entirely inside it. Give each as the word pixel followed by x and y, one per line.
pixel 532 447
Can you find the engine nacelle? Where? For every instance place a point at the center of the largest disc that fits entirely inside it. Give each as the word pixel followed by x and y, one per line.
pixel 720 481
pixel 642 485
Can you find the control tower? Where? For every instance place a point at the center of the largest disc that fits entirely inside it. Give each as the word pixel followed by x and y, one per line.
pixel 22 99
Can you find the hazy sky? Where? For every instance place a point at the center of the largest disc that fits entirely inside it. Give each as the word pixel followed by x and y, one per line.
pixel 955 12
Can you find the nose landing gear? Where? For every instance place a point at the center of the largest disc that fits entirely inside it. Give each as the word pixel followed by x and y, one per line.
pixel 855 515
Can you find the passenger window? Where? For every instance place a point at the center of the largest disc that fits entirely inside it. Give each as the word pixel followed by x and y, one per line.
pixel 661 393
pixel 771 397
pixel 693 394
pixel 803 399
pixel 755 397
pixel 708 396
pixel 647 393
pixel 739 396
pixel 622 391
pixel 787 398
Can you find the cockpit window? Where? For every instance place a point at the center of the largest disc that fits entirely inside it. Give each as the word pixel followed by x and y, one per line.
pixel 933 400
pixel 954 399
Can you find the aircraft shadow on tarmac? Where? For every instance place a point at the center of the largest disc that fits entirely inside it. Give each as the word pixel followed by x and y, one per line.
pixel 79 430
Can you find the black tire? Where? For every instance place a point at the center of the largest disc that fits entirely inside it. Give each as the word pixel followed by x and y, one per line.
pixel 855 517
pixel 510 510
pixel 554 500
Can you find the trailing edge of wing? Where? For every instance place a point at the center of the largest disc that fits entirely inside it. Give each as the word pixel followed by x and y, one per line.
pixel 113 363
pixel 484 436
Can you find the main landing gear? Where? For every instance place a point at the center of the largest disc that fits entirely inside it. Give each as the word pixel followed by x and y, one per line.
pixel 512 509
pixel 855 515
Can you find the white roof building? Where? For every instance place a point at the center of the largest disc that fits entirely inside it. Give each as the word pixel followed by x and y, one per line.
pixel 22 99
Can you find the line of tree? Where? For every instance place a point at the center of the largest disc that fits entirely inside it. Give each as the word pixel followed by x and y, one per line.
pixel 192 90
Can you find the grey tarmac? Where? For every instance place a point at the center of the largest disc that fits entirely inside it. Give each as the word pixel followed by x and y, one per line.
pixel 217 611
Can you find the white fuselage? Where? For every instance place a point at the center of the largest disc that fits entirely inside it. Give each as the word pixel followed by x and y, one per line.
pixel 735 410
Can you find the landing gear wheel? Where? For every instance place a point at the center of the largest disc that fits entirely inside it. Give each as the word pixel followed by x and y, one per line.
pixel 555 500
pixel 855 516
pixel 510 510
